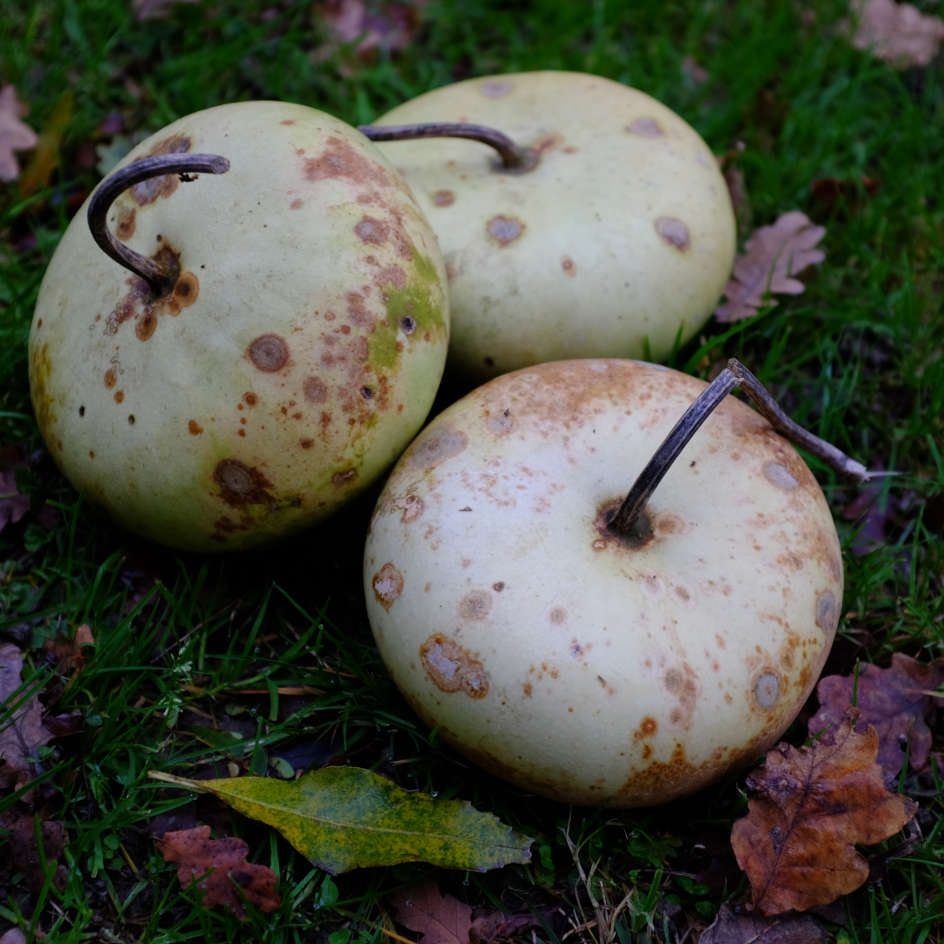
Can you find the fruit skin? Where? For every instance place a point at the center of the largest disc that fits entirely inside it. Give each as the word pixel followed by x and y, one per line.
pixel 554 653
pixel 623 234
pixel 297 355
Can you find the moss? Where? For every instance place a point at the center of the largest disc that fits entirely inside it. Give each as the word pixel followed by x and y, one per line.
pixel 422 299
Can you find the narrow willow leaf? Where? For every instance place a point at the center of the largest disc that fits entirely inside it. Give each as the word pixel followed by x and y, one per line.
pixel 346 818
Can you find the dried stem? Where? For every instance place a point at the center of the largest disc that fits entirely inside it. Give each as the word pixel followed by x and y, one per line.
pixel 513 158
pixel 159 276
pixel 627 519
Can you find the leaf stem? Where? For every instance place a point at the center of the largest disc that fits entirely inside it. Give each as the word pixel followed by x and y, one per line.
pixel 628 518
pixel 513 157
pixel 159 276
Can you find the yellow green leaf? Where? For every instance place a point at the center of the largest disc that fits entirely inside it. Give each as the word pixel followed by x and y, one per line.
pixel 345 818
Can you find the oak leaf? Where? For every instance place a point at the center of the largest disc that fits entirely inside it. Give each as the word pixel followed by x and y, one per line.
pixel 441 919
pixel 22 730
pixel 14 135
pixel 220 869
pixel 731 928
pixel 345 818
pixel 811 805
pixel 896 702
pixel 385 27
pixel 772 257
pixel 897 33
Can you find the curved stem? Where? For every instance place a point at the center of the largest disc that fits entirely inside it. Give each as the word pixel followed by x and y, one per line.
pixel 512 156
pixel 158 276
pixel 627 518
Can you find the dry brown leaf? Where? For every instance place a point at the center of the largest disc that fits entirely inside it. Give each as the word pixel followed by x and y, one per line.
pixel 772 257
pixel 68 652
pixel 14 135
pixel 731 928
pixel 441 919
pixel 811 805
pixel 13 505
pixel 380 27
pixel 220 868
pixel 22 730
pixel 23 849
pixel 897 33
pixel 895 701
pixel 493 927
pixel 155 9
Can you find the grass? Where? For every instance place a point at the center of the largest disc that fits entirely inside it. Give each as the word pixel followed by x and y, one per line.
pixel 274 647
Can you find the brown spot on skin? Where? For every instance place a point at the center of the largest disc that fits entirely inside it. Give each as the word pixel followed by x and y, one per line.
pixel 111 378
pixel 241 484
pixel 766 690
pixel 186 290
pixel 343 478
pixel 119 396
pixel 647 728
pixel 296 204
pixel 145 325
pixel 444 198
pixel 780 476
pixel 680 683
pixel 359 315
pixel 500 423
pixel 125 224
pixel 287 121
pixel 147 191
pixel 475 605
pixel 569 266
pixel 268 353
pixel 504 229
pixel 557 615
pixel 391 275
pixel 645 128
pixel 251 399
pixel 451 668
pixel 827 613
pixel 306 443
pixel 498 586
pixel 195 428
pixel 674 232
pixel 388 585
pixel 412 506
pixel 340 159
pixel 131 422
pixel 370 230
pixel 315 389
pixel 436 445
pixel 495 88
pixel 528 689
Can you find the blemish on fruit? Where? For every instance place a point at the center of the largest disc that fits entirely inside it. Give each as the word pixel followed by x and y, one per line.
pixel 528 689
pixel 451 668
pixel 371 230
pixel 268 353
pixel 125 224
pixel 388 585
pixel 147 191
pixel 767 690
pixel 504 229
pixel 186 290
pixel 444 198
pixel 145 325
pixel 498 586
pixel 495 88
pixel 119 396
pixel 296 204
pixel 827 613
pixel 475 605
pixel 500 423
pixel 241 484
pixel 646 127
pixel 557 615
pixel 674 232
pixel 569 266
pixel 306 443
pixel 340 159
pixel 194 428
pixel 780 475
pixel 315 389
pixel 436 445
pixel 411 507
pixel 111 378
pixel 647 728
pixel 342 478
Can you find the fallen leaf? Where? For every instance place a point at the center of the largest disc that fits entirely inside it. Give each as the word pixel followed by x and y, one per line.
pixel 772 257
pixel 68 651
pixel 21 722
pixel 811 805
pixel 732 928
pixel 45 158
pixel 14 135
pixel 23 849
pixel 220 869
pixel 383 27
pixel 13 505
pixel 347 818
pixel 155 9
pixel 695 73
pixel 896 702
pixel 441 919
pixel 496 926
pixel 897 33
